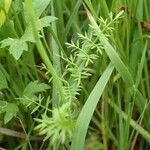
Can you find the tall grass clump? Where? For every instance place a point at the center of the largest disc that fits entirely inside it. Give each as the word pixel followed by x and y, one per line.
pixel 74 74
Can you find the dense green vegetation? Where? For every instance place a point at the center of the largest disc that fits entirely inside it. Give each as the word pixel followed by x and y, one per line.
pixel 74 74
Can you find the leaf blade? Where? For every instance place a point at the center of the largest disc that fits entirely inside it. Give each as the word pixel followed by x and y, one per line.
pixel 88 110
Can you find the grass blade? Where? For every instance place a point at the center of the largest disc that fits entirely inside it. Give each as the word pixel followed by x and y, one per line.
pixel 133 123
pixel 88 110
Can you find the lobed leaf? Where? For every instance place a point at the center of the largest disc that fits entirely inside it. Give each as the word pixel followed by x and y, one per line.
pixel 10 110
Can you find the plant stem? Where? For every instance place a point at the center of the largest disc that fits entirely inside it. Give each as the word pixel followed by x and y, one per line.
pixel 42 52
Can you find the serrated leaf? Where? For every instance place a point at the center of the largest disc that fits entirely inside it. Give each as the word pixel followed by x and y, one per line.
pixel 35 87
pixel 10 110
pixel 45 21
pixel 3 81
pixel 6 42
pixel 17 46
pixel 41 23
pixel 39 7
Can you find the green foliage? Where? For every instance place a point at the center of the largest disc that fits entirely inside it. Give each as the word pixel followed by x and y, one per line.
pixel 14 44
pixel 3 81
pixel 17 46
pixel 93 141
pixel 88 109
pixel 35 87
pixel 10 110
pixel 60 126
pixel 92 88
pixel 31 90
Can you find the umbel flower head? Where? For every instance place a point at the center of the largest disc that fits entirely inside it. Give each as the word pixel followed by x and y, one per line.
pixel 60 126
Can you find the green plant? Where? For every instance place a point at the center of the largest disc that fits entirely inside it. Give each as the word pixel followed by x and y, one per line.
pixel 63 90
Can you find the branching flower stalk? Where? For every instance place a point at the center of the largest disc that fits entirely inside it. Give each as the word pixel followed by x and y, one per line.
pixel 78 68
